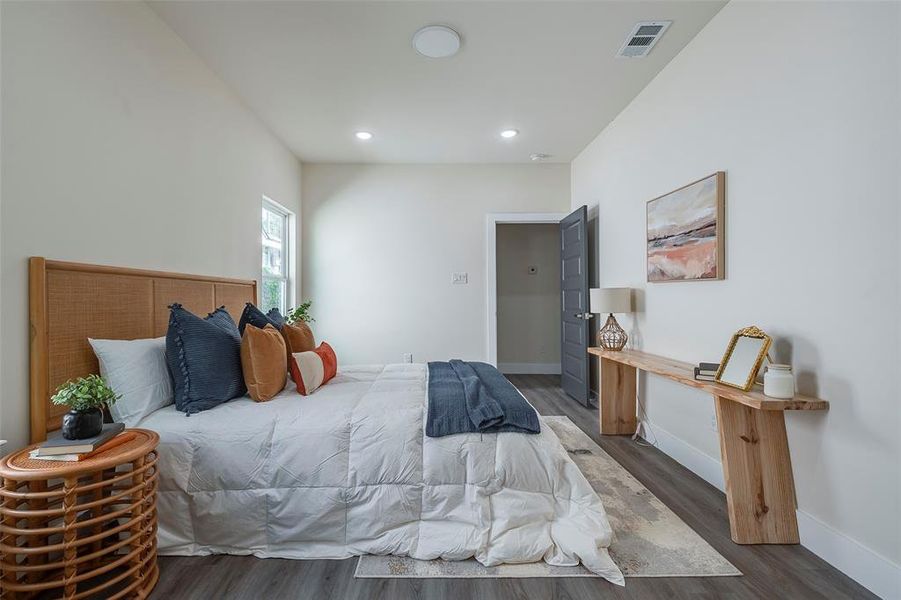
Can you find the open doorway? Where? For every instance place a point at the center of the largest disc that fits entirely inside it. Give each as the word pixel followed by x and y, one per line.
pixel 523 306
pixel 528 298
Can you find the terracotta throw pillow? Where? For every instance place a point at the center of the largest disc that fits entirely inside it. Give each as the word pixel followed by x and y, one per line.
pixel 310 370
pixel 299 337
pixel 263 361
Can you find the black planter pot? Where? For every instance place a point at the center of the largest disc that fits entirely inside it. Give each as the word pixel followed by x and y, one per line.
pixel 81 424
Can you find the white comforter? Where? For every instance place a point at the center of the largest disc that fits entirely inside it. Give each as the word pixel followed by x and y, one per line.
pixel 348 471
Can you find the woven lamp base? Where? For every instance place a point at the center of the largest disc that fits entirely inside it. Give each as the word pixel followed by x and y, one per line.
pixel 611 336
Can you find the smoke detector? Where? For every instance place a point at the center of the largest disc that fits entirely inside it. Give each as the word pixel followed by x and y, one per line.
pixel 643 38
pixel 538 156
pixel 436 41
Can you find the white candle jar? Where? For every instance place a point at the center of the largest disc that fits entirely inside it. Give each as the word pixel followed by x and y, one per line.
pixel 779 382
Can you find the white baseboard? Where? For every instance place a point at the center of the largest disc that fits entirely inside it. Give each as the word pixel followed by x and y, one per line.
pixel 870 569
pixel 529 368
pixel 706 467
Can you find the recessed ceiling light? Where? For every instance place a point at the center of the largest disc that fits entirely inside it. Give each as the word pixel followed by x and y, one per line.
pixel 509 133
pixel 363 135
pixel 436 41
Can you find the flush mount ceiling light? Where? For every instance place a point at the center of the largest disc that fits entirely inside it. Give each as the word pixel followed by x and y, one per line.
pixel 536 156
pixel 509 133
pixel 363 135
pixel 436 41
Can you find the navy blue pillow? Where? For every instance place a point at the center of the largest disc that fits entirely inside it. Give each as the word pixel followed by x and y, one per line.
pixel 276 317
pixel 204 357
pixel 254 316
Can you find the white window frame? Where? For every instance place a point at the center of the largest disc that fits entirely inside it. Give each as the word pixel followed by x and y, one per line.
pixel 287 251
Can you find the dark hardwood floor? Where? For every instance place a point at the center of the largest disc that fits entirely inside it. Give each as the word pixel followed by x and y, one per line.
pixel 770 572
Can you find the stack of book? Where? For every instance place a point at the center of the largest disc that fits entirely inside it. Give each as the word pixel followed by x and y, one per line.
pixel 60 449
pixel 706 371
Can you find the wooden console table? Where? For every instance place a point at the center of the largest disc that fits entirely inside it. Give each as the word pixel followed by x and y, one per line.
pixel 760 488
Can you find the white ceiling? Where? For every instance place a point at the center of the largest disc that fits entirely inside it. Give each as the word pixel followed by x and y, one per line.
pixel 315 72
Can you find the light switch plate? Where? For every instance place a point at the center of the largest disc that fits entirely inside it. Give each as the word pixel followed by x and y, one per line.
pixel 460 278
pixel 408 357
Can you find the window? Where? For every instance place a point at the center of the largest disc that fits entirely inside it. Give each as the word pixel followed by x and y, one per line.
pixel 277 237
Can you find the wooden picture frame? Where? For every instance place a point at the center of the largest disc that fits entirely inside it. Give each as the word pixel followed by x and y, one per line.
pixel 740 369
pixel 685 232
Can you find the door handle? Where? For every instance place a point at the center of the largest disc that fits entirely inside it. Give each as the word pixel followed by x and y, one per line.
pixel 585 315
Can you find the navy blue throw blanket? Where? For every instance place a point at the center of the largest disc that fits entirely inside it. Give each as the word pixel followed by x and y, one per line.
pixel 473 397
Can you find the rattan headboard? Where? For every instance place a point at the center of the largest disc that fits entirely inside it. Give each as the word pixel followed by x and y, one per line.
pixel 70 302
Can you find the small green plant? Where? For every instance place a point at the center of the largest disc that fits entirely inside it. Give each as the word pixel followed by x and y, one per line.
pixel 301 313
pixel 85 393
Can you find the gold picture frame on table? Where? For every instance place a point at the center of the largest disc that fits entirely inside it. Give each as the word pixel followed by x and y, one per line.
pixel 743 358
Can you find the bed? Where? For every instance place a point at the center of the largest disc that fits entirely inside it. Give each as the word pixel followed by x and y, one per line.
pixel 342 472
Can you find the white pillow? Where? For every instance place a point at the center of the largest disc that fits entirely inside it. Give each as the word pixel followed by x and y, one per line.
pixel 137 371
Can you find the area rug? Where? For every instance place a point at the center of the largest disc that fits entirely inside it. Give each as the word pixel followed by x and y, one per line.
pixel 649 539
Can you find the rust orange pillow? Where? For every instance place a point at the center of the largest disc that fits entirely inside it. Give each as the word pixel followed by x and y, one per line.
pixel 298 337
pixel 310 370
pixel 264 362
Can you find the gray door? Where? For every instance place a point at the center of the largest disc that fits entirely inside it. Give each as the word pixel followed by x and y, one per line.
pixel 574 303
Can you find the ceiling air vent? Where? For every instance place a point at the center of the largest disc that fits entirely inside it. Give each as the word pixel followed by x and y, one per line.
pixel 643 37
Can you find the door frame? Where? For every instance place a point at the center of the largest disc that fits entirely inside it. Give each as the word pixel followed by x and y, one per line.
pixel 492 220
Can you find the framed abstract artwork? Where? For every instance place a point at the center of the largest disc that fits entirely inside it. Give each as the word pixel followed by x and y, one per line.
pixel 686 232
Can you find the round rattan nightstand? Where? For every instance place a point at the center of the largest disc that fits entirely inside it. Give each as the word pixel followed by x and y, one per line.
pixel 80 529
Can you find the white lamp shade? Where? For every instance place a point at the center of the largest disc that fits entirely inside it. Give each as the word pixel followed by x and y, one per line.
pixel 610 300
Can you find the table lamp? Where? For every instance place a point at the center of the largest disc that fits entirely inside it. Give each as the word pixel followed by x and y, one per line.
pixel 611 300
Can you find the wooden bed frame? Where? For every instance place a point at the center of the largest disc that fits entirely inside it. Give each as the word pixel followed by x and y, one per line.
pixel 71 302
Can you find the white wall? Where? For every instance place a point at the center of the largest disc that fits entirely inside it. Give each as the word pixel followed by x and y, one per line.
pixel 120 147
pixel 1 237
pixel 528 304
pixel 381 242
pixel 799 103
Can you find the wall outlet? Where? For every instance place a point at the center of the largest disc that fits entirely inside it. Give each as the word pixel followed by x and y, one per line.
pixel 460 278
pixel 408 357
pixel 714 426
